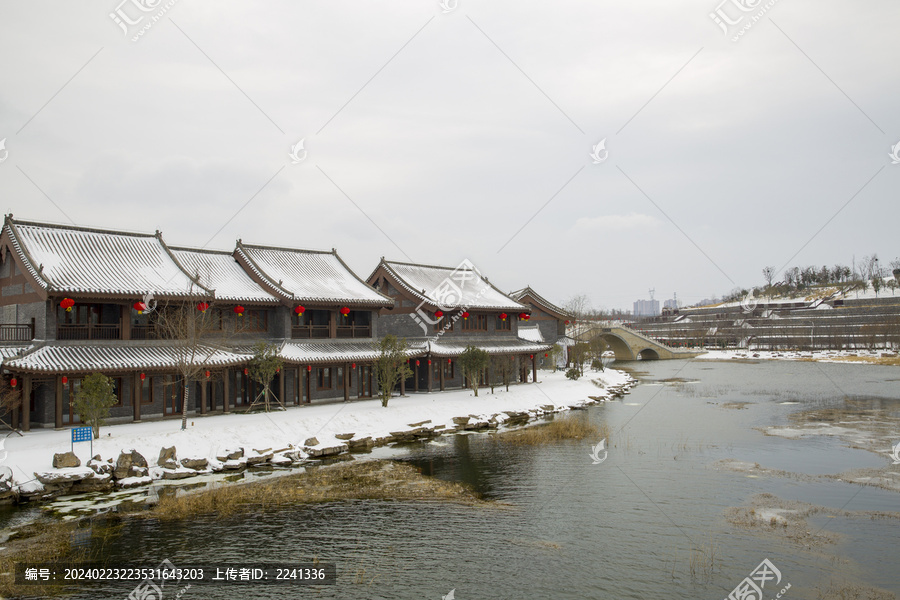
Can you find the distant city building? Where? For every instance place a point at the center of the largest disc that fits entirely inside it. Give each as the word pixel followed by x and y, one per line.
pixel 646 308
pixel 670 304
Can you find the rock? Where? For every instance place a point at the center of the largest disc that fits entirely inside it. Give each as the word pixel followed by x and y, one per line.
pixel 97 483
pixel 234 465
pixel 281 460
pixel 419 424
pixel 178 473
pixel 130 464
pixel 169 464
pixel 343 436
pixel 166 455
pixel 230 454
pixel 263 451
pixel 362 443
pixel 311 442
pixel 259 458
pixel 548 408
pixel 64 460
pixel 130 482
pixel 317 452
pixel 100 467
pixel 194 463
pixel 65 475
pixel 460 420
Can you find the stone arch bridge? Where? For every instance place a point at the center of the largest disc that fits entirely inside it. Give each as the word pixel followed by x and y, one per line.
pixel 628 344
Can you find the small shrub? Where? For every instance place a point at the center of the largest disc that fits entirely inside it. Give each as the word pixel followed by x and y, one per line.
pixel 573 373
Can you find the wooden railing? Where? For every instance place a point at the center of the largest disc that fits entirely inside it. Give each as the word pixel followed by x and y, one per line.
pixel 310 332
pixel 143 332
pixel 354 331
pixel 90 331
pixel 12 332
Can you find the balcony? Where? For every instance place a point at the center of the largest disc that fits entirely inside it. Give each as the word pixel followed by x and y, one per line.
pixel 143 332
pixel 310 332
pixel 354 331
pixel 11 332
pixel 89 331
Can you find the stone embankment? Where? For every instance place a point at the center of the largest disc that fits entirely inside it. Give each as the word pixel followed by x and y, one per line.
pixel 131 470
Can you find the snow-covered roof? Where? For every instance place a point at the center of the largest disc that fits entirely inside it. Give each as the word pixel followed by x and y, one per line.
pixel 309 276
pixel 454 346
pixel 11 351
pixel 336 351
pixel 219 271
pixel 518 295
pixel 130 356
pixel 531 333
pixel 450 287
pixel 80 260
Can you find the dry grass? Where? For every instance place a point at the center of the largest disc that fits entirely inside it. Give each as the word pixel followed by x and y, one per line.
pixel 363 480
pixel 702 562
pixel 891 361
pixel 843 591
pixel 36 543
pixel 567 428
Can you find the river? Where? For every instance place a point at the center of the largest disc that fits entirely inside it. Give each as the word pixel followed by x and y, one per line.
pixel 566 528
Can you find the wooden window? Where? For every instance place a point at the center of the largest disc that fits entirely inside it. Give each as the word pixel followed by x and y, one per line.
pixel 117 390
pixel 449 369
pixel 312 323
pixel 323 378
pixel 504 325
pixel 445 322
pixel 256 320
pixel 475 323
pixel 147 390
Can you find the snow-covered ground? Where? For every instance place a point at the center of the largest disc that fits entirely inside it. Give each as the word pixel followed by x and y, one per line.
pixel 209 436
pixel 818 355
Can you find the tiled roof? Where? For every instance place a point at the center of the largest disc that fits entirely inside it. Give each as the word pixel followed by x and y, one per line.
pixel 455 347
pixel 94 261
pixel 11 351
pixel 447 287
pixel 130 356
pixel 531 334
pixel 219 271
pixel 540 300
pixel 334 351
pixel 309 276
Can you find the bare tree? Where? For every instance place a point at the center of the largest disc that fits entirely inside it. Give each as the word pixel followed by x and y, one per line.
pixel 263 367
pixel 390 366
pixel 506 366
pixel 769 275
pixel 196 333
pixel 580 308
pixel 10 400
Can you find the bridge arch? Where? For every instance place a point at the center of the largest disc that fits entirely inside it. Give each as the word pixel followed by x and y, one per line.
pixel 648 354
pixel 618 345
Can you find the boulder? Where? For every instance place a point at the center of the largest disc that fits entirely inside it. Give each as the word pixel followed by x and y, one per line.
pixel 360 444
pixel 65 460
pixel 64 476
pixel 343 436
pixel 460 420
pixel 194 463
pixel 311 442
pixel 178 473
pixel 318 452
pixel 128 463
pixel 258 458
pixel 166 455
pixel 100 467
pixel 419 424
pixel 169 464
pixel 234 465
pixel 229 454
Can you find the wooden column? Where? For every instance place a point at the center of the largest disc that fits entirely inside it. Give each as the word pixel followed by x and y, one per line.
pixel 430 366
pixel 136 396
pixel 309 386
pixel 281 388
pixel 443 369
pixel 533 369
pixel 59 390
pixel 204 383
pixel 26 403
pixel 298 379
pixel 346 382
pixel 416 377
pixel 226 392
pixel 126 322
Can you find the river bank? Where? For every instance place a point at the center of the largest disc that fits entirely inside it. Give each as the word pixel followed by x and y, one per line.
pixel 139 454
pixel 870 357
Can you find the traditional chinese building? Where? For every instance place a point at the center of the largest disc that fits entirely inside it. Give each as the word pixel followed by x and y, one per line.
pixel 548 322
pixel 442 311
pixel 77 300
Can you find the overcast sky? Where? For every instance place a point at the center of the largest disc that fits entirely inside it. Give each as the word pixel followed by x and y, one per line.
pixel 435 136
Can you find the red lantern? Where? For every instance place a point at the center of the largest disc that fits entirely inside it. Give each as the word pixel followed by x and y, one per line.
pixel 278 370
pixel 522 316
pixel 246 370
pixel 527 316
pixel 308 368
pixel 13 382
pixel 239 310
pixel 354 365
pixel 65 380
pixel 567 321
pixel 345 311
pixel 503 316
pixel 67 303
pixel 299 309
pixel 202 306
pixel 465 315
pixel 207 374
pixel 140 307
pixel 143 376
pixel 429 361
pixel 531 357
pixel 417 363
pixel 449 360
pixel 546 355
pixel 438 314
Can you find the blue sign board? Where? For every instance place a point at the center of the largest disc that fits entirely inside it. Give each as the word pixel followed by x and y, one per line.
pixel 82 434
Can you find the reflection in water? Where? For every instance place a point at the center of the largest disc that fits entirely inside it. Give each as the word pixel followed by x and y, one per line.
pixel 570 529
